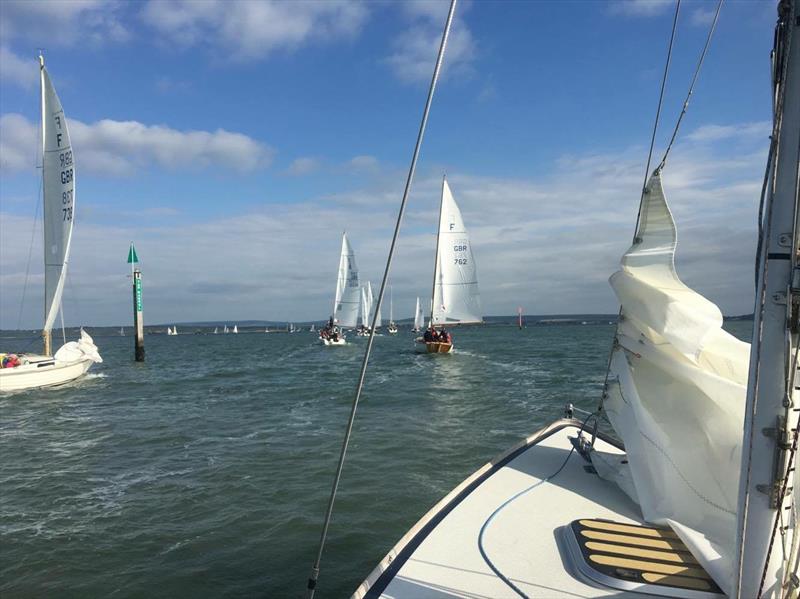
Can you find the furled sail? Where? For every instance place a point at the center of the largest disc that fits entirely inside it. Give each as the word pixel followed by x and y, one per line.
pixel 455 296
pixel 58 188
pixel 419 317
pixel 677 396
pixel 346 304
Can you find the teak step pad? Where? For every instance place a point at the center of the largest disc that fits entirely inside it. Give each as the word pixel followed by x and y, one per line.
pixel 642 557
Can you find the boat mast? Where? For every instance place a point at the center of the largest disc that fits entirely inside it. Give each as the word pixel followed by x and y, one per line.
pixel 46 335
pixel 766 533
pixel 436 262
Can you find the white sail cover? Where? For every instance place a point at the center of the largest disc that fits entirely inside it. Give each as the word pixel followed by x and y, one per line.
pixel 346 303
pixel 455 296
pixel 58 168
pixel 419 317
pixel 677 396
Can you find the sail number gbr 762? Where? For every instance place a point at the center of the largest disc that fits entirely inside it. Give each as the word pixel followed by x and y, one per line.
pixel 460 248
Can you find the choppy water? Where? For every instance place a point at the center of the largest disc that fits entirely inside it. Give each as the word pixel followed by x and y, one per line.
pixel 205 471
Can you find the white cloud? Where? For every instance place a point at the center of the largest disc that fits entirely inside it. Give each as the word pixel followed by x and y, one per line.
pixel 303 166
pixel 548 243
pixel 641 8
pixel 414 49
pixel 701 16
pixel 17 70
pixel 63 22
pixel 247 30
pixel 122 147
pixel 709 133
pixel 363 163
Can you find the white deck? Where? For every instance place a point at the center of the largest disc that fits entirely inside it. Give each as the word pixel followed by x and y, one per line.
pixel 524 540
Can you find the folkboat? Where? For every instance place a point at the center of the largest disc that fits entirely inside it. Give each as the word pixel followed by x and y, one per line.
pixel 346 300
pixel 74 358
pixel 455 298
pixel 696 495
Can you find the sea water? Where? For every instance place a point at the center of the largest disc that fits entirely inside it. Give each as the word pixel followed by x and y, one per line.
pixel 205 471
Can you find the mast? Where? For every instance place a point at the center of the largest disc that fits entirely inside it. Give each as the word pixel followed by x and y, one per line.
pixel 436 261
pixel 46 335
pixel 766 533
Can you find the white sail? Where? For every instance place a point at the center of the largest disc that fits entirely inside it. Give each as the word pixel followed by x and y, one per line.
pixel 678 395
pixel 58 188
pixel 365 308
pixel 419 317
pixel 346 303
pixel 371 300
pixel 456 296
pixel 235 329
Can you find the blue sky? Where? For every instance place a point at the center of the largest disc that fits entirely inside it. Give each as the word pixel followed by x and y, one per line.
pixel 235 141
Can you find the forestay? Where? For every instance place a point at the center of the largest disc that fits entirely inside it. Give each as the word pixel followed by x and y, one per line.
pixel 677 395
pixel 58 168
pixel 345 306
pixel 455 296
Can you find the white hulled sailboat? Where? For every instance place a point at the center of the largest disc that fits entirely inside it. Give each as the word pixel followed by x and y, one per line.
pixel 455 296
pixel 419 318
pixel 74 358
pixel 392 328
pixel 346 301
pixel 699 499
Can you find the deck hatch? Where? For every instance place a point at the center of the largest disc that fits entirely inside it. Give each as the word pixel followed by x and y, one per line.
pixel 647 559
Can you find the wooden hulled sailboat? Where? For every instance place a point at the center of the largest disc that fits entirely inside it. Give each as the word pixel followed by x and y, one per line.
pixel 696 495
pixel 74 358
pixel 455 296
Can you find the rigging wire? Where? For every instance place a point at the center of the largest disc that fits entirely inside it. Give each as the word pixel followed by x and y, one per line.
pixel 312 581
pixel 691 85
pixel 644 184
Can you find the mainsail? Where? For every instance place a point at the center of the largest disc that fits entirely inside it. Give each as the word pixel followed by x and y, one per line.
pixel 371 299
pixel 346 304
pixel 365 308
pixel 58 189
pixel 455 295
pixel 419 317
pixel 677 397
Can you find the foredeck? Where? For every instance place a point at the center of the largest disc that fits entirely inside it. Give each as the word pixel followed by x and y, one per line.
pixel 507 521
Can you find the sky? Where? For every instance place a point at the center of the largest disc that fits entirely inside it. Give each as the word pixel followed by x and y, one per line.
pixel 234 141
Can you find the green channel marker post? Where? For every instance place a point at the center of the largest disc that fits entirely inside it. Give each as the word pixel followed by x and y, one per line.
pixel 138 320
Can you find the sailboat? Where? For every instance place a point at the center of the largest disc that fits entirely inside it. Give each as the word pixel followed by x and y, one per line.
pixel 121 331
pixel 172 331
pixel 74 358
pixel 216 330
pixel 366 308
pixel 225 329
pixel 419 318
pixel 455 298
pixel 392 328
pixel 312 329
pixel 346 300
pixel 235 329
pixel 696 494
pixel 378 321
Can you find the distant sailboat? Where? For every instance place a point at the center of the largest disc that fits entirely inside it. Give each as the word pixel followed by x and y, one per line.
pixel 73 359
pixel 312 329
pixel 392 326
pixel 235 329
pixel 519 313
pixel 456 299
pixel 419 318
pixel 121 331
pixel 378 320
pixel 172 331
pixel 366 308
pixel 216 330
pixel 346 300
pixel 226 329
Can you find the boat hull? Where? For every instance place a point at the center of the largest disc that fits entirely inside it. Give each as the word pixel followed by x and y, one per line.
pixel 42 372
pixel 432 347
pixel 332 343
